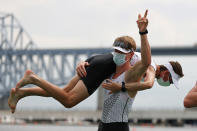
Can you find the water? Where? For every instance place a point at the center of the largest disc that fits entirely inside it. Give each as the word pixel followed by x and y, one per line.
pixel 84 128
pixel 156 98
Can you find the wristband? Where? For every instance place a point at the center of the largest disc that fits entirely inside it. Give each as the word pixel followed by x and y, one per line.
pixel 143 33
pixel 123 89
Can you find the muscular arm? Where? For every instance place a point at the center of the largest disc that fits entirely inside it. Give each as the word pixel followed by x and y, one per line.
pixel 191 98
pixel 143 85
pixel 133 86
pixel 135 73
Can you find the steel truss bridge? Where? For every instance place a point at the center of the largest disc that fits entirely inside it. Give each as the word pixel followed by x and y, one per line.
pixel 18 52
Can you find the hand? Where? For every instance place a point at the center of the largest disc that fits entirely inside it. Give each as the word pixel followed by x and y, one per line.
pixel 142 22
pixel 112 86
pixel 81 71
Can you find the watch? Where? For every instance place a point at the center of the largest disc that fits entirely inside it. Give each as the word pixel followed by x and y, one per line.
pixel 123 89
pixel 143 33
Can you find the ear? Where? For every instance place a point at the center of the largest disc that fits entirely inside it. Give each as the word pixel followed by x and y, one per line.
pixel 131 55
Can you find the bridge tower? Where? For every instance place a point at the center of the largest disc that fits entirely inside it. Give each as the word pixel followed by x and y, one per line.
pixel 12 37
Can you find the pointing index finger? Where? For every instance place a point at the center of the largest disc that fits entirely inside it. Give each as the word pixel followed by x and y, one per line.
pixel 146 13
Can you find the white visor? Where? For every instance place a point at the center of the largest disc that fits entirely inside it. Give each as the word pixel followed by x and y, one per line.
pixel 175 77
pixel 121 49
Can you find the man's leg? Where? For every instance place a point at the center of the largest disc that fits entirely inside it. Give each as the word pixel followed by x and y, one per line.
pixel 15 96
pixel 37 91
pixel 65 99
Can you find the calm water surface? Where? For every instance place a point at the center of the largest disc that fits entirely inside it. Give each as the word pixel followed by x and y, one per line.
pixel 85 128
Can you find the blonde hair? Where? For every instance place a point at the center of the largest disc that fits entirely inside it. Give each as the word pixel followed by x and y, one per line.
pixel 127 40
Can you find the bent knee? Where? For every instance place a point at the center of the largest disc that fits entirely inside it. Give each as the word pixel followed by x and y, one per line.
pixel 69 103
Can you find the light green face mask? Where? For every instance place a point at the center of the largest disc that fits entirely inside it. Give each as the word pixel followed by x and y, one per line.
pixel 119 59
pixel 161 82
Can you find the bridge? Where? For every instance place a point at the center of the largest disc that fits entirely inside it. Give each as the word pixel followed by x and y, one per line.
pixel 18 52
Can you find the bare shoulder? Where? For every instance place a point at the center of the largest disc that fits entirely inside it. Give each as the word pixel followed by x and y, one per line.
pixel 150 72
pixel 134 73
pixel 151 69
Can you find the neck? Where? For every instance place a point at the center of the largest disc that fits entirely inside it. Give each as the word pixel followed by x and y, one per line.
pixel 122 68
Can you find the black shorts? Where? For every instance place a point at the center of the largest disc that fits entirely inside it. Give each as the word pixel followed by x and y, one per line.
pixel 115 126
pixel 101 67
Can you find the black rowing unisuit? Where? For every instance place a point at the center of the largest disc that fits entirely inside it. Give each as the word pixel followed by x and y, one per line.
pixel 101 67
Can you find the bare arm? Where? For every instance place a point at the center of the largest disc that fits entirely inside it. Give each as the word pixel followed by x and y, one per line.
pixel 133 86
pixel 81 72
pixel 146 51
pixel 143 85
pixel 142 23
pixel 135 73
pixel 140 67
pixel 191 98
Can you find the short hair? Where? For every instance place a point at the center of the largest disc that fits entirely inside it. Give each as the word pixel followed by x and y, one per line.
pixel 128 41
pixel 177 68
pixel 162 68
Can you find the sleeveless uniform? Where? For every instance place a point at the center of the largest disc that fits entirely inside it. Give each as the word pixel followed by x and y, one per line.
pixel 117 105
pixel 116 108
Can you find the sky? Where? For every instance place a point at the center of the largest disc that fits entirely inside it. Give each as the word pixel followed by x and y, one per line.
pixel 96 23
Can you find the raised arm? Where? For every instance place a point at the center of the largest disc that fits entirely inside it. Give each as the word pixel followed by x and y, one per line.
pixel 140 67
pixel 145 47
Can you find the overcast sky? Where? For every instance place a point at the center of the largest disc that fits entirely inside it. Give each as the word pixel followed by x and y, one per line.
pixel 96 23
